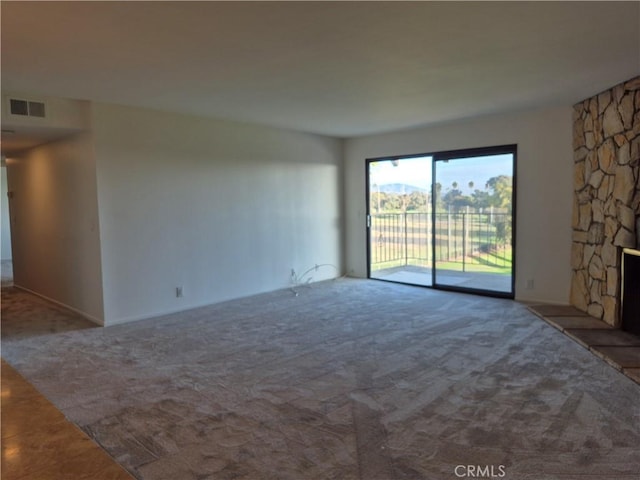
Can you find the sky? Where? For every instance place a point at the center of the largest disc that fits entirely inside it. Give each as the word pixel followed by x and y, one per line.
pixel 417 171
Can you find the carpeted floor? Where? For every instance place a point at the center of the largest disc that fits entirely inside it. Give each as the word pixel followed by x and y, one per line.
pixel 351 379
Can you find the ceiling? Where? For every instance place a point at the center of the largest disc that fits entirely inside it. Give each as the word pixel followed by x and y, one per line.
pixel 335 68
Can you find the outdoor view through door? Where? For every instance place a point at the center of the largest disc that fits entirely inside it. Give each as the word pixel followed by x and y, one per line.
pixel 444 220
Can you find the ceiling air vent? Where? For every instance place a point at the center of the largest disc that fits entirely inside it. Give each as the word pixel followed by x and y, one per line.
pixel 27 108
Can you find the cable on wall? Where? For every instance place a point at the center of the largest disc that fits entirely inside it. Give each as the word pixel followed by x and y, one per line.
pixel 305 279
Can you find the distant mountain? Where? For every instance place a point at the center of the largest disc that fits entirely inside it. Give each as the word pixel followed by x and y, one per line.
pixel 398 188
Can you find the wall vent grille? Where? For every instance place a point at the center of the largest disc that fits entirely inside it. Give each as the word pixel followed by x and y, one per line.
pixel 27 108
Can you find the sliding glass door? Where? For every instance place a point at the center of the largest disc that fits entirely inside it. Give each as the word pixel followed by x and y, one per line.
pixel 473 240
pixel 444 220
pixel 399 220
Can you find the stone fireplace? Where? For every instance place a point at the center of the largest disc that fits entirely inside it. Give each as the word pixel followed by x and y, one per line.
pixel 606 146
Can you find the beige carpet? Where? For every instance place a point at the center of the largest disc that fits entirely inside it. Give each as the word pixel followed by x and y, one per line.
pixel 351 379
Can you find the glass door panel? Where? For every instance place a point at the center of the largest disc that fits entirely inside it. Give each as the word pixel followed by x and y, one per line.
pixel 399 219
pixel 473 221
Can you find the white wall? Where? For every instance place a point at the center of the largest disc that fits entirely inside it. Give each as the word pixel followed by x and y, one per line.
pixel 5 238
pixel 220 208
pixel 544 189
pixel 55 224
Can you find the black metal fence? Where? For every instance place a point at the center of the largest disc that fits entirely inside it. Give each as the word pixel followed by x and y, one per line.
pixel 466 238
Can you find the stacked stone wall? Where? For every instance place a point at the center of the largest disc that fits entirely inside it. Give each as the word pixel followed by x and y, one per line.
pixel 606 145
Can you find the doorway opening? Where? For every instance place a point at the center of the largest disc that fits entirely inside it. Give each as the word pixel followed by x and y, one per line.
pixel 6 263
pixel 444 220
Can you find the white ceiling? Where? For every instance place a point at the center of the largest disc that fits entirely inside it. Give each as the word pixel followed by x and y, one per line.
pixel 336 68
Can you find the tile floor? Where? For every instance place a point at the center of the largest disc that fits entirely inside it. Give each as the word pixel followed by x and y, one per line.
pixel 35 433
pixel 618 348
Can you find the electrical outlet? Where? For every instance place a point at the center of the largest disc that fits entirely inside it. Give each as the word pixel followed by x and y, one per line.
pixel 179 292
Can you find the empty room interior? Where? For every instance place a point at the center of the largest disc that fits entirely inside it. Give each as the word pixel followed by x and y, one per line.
pixel 320 240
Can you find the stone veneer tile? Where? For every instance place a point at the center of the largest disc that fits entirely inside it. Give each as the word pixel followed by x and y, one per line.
pixel 606 141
